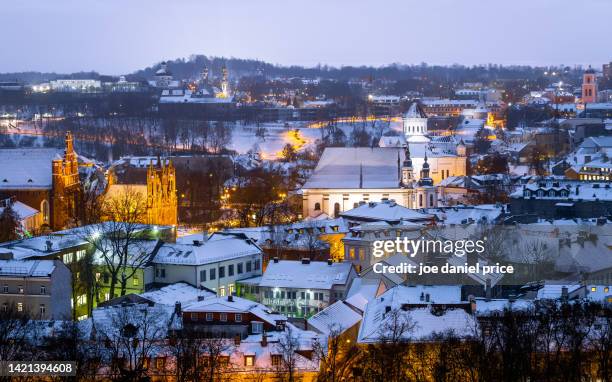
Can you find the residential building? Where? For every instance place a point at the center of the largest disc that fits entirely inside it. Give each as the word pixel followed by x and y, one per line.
pixel 39 288
pixel 301 288
pixel 216 263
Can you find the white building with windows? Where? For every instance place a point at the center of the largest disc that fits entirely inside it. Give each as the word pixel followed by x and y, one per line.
pixel 302 288
pixel 216 263
pixel 346 176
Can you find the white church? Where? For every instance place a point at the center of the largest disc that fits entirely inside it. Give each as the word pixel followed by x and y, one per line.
pixel 346 176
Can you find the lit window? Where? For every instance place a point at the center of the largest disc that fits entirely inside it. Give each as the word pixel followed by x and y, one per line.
pixel 249 360
pixel 135 281
pixel 20 289
pixel 593 289
pixel 43 310
pixel 20 306
pixel 43 289
pixel 606 289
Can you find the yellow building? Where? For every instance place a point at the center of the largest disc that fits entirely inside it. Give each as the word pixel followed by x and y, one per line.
pixel 158 195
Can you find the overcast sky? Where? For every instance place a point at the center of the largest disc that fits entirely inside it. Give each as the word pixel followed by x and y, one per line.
pixel 120 36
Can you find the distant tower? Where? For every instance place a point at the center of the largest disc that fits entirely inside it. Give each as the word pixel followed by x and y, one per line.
pixel 224 82
pixel 162 204
pixel 426 192
pixel 66 187
pixel 163 76
pixel 204 76
pixel 589 86
pixel 407 170
pixel 415 124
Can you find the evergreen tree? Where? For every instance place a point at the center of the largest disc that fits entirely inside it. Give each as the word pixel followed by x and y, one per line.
pixel 10 226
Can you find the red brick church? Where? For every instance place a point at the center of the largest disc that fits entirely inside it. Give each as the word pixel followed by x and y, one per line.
pixel 45 179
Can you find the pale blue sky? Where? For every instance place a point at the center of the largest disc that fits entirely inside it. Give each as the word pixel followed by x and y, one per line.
pixel 120 36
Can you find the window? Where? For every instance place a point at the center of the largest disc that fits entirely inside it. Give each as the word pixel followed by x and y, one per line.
pixel 67 258
pixel 239 268
pixel 135 281
pixel 257 327
pixel 222 291
pixel 160 363
pixel 317 207
pixel 593 289
pixel 162 273
pixel 249 360
pixel 81 299
pixel 276 359
pixel 209 316
pixel 43 310
pixel 420 200
pixel 230 270
pixel 231 289
pixel 5 307
pixel 106 277
pixel 5 288
pixel 20 306
pixel 221 272
pixel 44 208
pixel 248 266
pixel 194 316
pixel 238 317
pixel 213 274
pixel 336 209
pixel 20 289
pixel 257 264
pixel 43 289
pixel 431 201
pixel 223 317
pixel 203 275
pixel 80 254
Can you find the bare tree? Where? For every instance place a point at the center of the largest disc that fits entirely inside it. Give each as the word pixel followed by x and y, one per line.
pixel 336 355
pixel 117 241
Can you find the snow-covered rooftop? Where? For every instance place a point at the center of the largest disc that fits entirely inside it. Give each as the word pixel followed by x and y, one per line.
pixel 27 268
pixel 218 247
pixel 336 318
pixel 386 211
pixel 27 168
pixel 236 305
pixel 298 275
pixel 179 292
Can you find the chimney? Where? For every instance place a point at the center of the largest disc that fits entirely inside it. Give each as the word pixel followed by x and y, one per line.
pixel 472 301
pixel 49 245
pixel 305 260
pixel 488 291
pixel 177 307
pixel 275 260
pixel 230 298
pixel 329 262
pixel 237 340
pixel 264 340
pixel 564 293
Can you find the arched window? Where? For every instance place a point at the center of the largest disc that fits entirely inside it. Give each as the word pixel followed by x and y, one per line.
pixel 44 209
pixel 431 201
pixel 317 206
pixel 420 200
pixel 336 209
